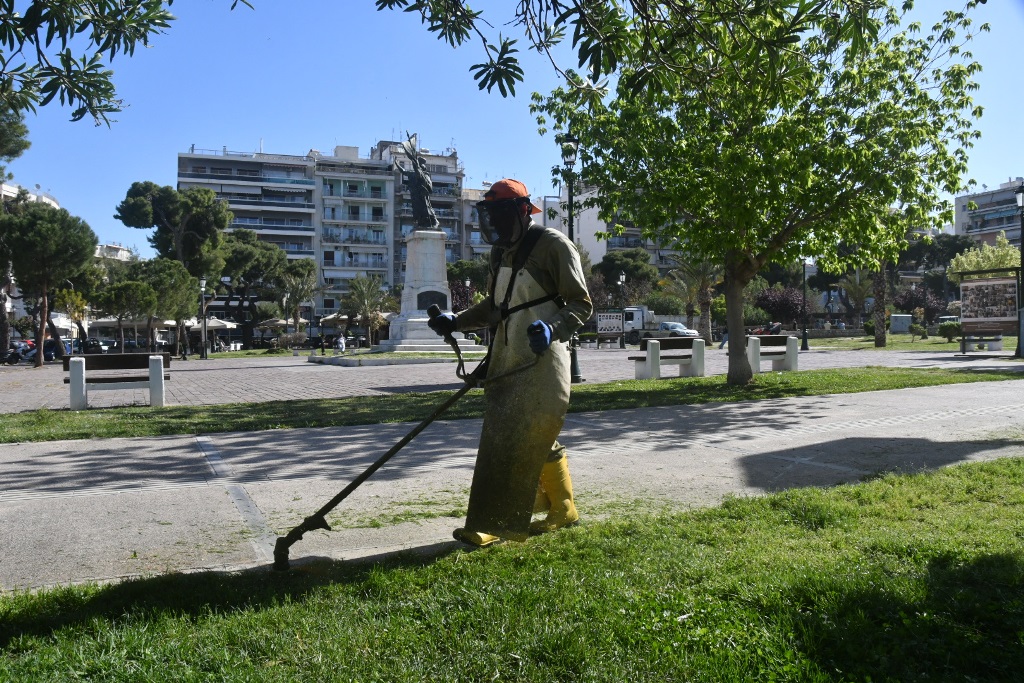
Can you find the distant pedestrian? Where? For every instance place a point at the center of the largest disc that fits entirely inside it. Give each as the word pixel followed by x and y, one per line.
pixel 725 339
pixel 339 343
pixel 323 346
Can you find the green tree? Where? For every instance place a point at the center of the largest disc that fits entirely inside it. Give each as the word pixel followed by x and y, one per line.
pixel 856 288
pixel 51 246
pixel 39 41
pixel 985 257
pixel 701 277
pixel 252 266
pixel 634 263
pixel 175 291
pixel 127 300
pixel 13 141
pixel 747 175
pixel 187 224
pixel 366 300
pixel 73 304
pixel 650 38
pixel 297 285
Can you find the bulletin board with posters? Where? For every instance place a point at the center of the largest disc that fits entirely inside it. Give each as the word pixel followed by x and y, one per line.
pixel 609 324
pixel 989 304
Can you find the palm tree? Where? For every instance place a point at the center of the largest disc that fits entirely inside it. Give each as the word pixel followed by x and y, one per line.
pixel 365 301
pixel 700 277
pixel 858 288
pixel 298 284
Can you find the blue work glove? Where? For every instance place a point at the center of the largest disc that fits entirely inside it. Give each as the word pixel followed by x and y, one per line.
pixel 539 333
pixel 443 324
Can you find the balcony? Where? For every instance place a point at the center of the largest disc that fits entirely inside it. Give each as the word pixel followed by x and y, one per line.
pixel 261 224
pixel 625 242
pixel 269 202
pixel 352 237
pixel 299 253
pixel 255 178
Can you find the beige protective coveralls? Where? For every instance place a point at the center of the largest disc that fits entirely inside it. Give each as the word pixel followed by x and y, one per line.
pixel 524 410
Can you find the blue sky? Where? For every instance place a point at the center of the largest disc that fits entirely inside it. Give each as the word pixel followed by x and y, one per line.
pixel 318 73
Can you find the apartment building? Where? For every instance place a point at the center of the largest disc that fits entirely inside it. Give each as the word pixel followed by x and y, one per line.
pixel 270 194
pixel 996 211
pixel 355 221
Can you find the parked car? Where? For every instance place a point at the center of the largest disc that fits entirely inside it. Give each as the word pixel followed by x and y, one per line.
pixel 93 345
pixel 50 349
pixel 671 329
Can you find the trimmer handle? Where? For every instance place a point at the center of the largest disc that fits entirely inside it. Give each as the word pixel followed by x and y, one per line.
pixel 434 311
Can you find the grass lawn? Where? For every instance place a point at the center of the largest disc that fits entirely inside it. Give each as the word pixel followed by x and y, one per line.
pixel 49 425
pixel 902 342
pixel 901 578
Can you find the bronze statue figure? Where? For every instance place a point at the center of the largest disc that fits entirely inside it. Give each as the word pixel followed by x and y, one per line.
pixel 420 186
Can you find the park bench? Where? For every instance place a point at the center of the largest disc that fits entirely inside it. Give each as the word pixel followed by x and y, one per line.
pixel 780 349
pixel 991 339
pixel 688 355
pixel 99 372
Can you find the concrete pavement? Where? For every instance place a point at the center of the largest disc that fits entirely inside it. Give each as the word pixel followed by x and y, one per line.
pixel 74 511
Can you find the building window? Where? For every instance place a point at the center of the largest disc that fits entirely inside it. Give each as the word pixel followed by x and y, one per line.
pixel 353 213
pixel 328 258
pixel 329 303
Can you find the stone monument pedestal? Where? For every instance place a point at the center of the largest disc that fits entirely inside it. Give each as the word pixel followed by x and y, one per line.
pixel 426 283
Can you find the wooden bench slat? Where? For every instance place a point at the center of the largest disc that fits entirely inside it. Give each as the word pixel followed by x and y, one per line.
pixel 122 379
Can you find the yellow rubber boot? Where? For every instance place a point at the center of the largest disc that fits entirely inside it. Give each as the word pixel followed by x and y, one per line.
pixel 554 478
pixel 541 503
pixel 475 538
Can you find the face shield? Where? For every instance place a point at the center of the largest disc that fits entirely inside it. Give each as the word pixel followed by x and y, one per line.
pixel 501 221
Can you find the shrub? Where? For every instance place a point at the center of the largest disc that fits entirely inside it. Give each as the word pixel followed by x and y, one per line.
pixel 918 331
pixel 950 330
pixel 869 327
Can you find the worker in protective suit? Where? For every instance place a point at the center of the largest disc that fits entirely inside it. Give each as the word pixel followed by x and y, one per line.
pixel 538 298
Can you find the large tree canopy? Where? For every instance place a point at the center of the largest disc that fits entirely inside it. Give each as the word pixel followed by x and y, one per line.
pixel 746 175
pixel 49 246
pixel 647 36
pixel 188 224
pixel 61 50
pixel 253 267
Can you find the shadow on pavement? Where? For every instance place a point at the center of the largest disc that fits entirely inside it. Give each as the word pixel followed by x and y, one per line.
pixel 855 459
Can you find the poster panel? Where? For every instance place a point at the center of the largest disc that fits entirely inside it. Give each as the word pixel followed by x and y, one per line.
pixel 609 323
pixel 993 300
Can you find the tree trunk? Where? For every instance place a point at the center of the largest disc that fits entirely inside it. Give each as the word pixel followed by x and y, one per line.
pixel 881 286
pixel 44 314
pixel 6 279
pixel 120 334
pixel 58 351
pixel 704 303
pixel 739 368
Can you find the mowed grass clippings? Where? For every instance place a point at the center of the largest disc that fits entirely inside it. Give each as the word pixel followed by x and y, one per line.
pixel 902 578
pixel 134 421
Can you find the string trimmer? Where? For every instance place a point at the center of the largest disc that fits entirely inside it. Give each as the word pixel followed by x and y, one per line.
pixel 318 520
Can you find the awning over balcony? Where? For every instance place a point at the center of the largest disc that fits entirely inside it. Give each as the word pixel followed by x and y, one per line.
pixel 289 190
pixel 241 189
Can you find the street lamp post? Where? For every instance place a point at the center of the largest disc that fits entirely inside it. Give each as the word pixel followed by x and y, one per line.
pixel 570 147
pixel 622 305
pixel 803 309
pixel 202 314
pixel 1020 273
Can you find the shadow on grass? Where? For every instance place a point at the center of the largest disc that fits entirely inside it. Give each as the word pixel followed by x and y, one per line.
pixel 966 624
pixel 200 593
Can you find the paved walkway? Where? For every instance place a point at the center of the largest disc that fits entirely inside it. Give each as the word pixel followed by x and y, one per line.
pixel 74 511
pixel 283 378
